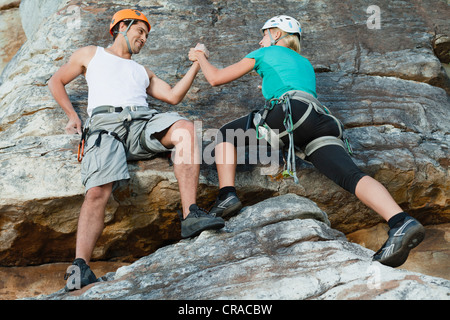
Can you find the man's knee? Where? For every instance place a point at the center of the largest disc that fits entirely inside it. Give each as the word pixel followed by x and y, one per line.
pixel 100 193
pixel 183 137
pixel 186 125
pixel 182 131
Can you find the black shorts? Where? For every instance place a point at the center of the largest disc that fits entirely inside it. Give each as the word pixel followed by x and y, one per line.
pixel 333 161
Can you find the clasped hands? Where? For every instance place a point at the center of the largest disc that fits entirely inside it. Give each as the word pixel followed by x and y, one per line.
pixel 199 49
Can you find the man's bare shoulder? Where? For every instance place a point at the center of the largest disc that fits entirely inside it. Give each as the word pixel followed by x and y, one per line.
pixel 85 52
pixel 84 55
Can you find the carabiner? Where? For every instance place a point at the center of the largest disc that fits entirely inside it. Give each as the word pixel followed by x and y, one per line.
pixel 81 144
pixel 80 150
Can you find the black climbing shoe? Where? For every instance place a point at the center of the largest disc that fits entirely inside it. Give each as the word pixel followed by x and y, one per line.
pixel 228 207
pixel 401 240
pixel 80 275
pixel 197 221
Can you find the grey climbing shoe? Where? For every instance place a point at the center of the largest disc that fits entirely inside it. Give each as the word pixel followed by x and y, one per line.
pixel 80 275
pixel 197 221
pixel 401 240
pixel 227 207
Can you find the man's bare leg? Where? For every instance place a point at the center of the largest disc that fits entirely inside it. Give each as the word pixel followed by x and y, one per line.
pixel 91 220
pixel 181 135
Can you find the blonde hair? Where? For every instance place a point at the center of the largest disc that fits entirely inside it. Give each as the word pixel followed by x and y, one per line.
pixel 292 41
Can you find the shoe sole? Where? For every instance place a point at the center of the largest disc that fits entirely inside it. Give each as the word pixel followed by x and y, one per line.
pixel 409 242
pixel 213 226
pixel 232 210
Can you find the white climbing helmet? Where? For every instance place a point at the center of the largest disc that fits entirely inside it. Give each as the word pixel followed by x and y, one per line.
pixel 285 23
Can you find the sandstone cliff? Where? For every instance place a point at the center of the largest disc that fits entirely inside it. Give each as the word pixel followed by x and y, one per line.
pixel 387 85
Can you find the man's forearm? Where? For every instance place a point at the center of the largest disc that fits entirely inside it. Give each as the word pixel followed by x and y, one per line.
pixel 60 95
pixel 182 87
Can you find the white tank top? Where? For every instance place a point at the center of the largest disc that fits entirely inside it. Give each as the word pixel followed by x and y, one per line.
pixel 115 81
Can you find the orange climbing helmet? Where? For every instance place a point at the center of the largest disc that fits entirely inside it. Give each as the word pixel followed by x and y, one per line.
pixel 128 14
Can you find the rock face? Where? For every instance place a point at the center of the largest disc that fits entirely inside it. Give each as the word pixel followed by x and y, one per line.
pixel 281 248
pixel 12 36
pixel 25 282
pixel 387 85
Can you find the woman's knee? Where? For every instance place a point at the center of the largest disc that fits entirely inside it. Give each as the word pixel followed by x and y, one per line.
pixel 336 164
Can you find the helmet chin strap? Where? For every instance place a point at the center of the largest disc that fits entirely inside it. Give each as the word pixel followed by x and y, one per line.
pixel 274 42
pixel 124 33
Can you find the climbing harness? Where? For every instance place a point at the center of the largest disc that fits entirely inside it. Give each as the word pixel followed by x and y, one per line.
pixel 126 124
pixel 263 131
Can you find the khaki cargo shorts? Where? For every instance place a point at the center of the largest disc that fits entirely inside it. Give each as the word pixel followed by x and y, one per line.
pixel 106 155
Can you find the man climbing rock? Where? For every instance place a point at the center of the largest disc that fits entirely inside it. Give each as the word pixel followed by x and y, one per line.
pixel 122 127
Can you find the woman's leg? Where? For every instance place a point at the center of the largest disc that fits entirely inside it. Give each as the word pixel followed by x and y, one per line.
pixel 337 165
pixel 374 195
pixel 405 232
pixel 227 203
pixel 226 161
pixel 225 151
